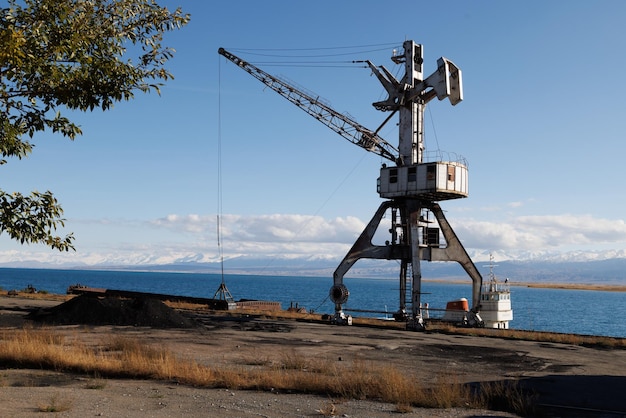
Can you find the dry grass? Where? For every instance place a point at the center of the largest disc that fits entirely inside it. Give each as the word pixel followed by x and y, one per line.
pixel 96 383
pixel 553 337
pixel 329 409
pixel 273 314
pixel 56 404
pixel 185 305
pixel 507 395
pixel 293 371
pixel 23 294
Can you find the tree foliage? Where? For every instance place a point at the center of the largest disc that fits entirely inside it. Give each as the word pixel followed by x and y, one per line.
pixel 59 55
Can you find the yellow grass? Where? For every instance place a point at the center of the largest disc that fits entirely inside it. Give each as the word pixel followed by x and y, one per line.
pixel 554 337
pixel 328 410
pixel 42 295
pixel 56 404
pixel 123 357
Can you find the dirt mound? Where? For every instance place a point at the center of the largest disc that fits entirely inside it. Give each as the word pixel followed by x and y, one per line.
pixel 93 310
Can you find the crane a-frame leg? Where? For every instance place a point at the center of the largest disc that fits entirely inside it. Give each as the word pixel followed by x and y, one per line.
pixel 409 249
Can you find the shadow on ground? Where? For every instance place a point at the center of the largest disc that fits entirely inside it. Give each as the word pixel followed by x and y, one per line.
pixel 576 396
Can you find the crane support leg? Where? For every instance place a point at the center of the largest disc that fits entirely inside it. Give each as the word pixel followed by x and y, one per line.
pixel 454 251
pixel 413 211
pixel 408 249
pixel 362 248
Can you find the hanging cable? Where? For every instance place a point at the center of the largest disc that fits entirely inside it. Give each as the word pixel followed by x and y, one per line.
pixel 288 52
pixel 310 64
pixel 294 56
pixel 432 122
pixel 219 170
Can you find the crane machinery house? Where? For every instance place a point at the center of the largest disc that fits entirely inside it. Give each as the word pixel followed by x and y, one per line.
pixel 435 181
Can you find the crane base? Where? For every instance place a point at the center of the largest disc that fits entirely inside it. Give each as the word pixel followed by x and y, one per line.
pixel 341 318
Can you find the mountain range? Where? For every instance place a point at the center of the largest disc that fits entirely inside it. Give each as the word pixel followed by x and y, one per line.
pixel 607 271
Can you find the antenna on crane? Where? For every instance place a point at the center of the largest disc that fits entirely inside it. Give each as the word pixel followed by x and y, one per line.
pixel 411 186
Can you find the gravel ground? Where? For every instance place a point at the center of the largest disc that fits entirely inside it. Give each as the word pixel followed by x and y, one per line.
pixel 591 381
pixel 82 397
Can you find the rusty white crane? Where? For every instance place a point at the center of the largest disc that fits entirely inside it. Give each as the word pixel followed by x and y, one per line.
pixel 411 186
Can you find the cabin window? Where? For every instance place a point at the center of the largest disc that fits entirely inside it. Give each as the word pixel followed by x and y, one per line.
pixel 430 172
pixel 393 175
pixel 450 173
pixel 412 174
pixel 431 236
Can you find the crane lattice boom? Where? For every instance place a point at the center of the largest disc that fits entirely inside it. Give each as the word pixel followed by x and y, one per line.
pixel 338 122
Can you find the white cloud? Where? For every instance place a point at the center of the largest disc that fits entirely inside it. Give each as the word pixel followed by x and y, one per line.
pixel 188 223
pixel 176 238
pixel 540 232
pixel 266 228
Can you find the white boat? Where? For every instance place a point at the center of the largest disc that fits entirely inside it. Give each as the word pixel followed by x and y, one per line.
pixel 495 302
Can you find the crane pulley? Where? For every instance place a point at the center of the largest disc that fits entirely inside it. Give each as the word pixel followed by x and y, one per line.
pixel 314 106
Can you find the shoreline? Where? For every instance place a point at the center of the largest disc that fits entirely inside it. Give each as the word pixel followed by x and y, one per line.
pixel 576 286
pixel 551 285
pixel 23 302
pixel 455 279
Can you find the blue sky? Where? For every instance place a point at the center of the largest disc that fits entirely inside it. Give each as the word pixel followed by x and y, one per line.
pixel 542 127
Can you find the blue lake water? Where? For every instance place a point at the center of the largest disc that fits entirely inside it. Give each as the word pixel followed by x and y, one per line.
pixel 556 310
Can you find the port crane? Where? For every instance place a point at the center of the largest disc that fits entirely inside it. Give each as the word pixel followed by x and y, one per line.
pixel 411 186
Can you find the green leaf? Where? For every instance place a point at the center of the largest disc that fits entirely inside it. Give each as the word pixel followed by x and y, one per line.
pixel 80 55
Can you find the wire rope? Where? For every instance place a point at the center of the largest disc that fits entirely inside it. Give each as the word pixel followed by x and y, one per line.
pixel 387 44
pixel 319 209
pixel 337 64
pixel 219 170
pixel 307 53
pixel 432 122
pixel 356 49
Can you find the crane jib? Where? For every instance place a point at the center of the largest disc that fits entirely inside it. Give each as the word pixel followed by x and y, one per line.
pixel 338 122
